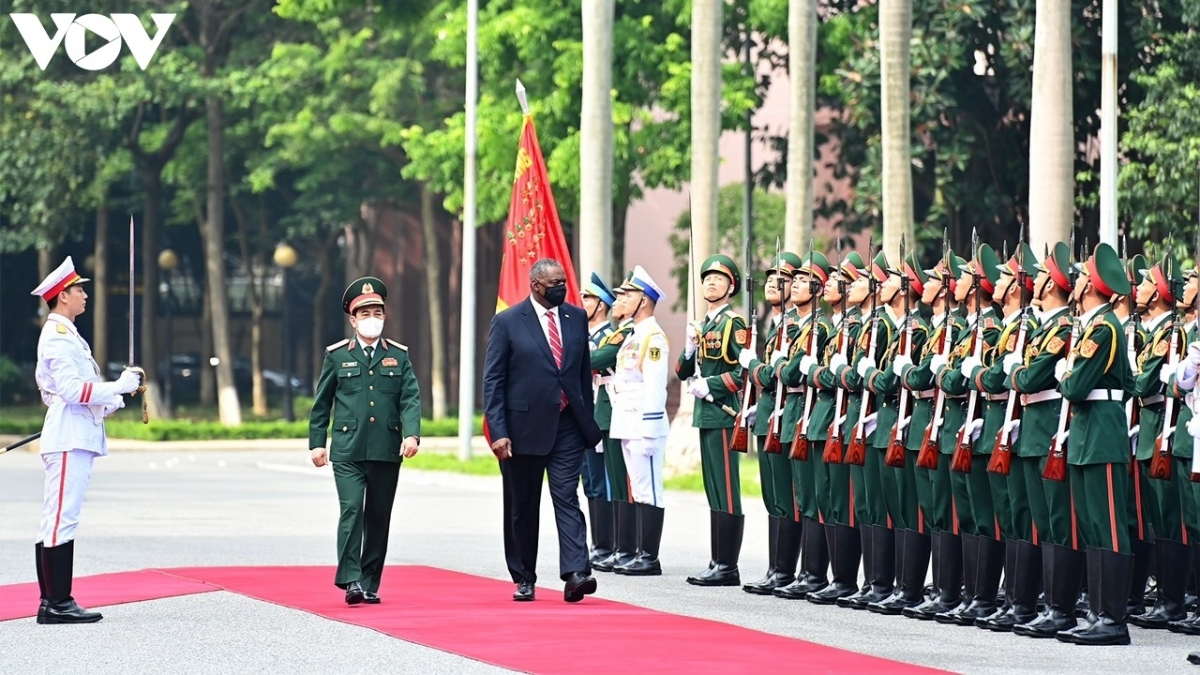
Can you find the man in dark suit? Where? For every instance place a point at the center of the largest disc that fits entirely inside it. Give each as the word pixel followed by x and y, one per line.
pixel 537 392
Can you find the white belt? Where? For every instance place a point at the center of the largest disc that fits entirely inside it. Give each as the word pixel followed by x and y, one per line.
pixel 1151 400
pixel 1002 396
pixel 605 379
pixel 96 410
pixel 796 390
pixel 922 395
pixel 1106 395
pixel 1038 397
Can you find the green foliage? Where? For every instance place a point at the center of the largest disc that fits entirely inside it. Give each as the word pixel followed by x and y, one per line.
pixel 12 381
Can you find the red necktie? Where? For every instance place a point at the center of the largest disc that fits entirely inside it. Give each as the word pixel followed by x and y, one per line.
pixel 556 350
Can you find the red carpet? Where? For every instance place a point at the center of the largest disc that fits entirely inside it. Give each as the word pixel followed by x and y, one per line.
pixel 474 617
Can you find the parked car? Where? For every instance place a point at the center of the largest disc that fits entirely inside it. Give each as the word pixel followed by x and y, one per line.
pixel 185 376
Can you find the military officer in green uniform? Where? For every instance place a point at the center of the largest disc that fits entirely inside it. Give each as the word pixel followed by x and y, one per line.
pixel 368 387
pixel 597 302
pixel 775 471
pixel 825 427
pixel 811 334
pixel 604 362
pixel 1094 379
pixel 1141 533
pixel 1181 385
pixel 933 485
pixel 708 364
pixel 982 543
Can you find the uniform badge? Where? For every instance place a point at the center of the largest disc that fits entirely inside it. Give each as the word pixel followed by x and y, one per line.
pixel 1055 345
pixel 349 364
pixel 654 353
pixel 989 324
pixel 740 336
pixel 615 339
pixel 390 362
pixel 1088 348
pixel 1011 344
pixel 1161 348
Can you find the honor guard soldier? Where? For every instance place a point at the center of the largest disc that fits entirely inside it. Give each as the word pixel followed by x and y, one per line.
pixel 1093 379
pixel 709 365
pixel 604 361
pixel 368 388
pixel 1132 318
pixel 597 302
pixel 812 331
pixel 783 533
pixel 73 436
pixel 1032 376
pixel 1182 387
pixel 639 398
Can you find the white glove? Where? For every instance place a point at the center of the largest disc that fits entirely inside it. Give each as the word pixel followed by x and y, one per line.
pixel 902 423
pixel 113 407
pixel 901 362
pixel 807 365
pixel 864 364
pixel 646 447
pixel 838 422
pixel 600 448
pixel 937 363
pixel 1179 372
pixel 745 358
pixel 699 388
pixel 751 415
pixel 1193 352
pixel 692 333
pixel 1133 364
pixel 128 382
pixel 868 424
pixel 975 428
pixel 1193 427
pixel 1013 429
pixel 777 356
pixel 837 361
pixel 1133 432
pixel 1011 361
pixel 968 366
pixel 1060 369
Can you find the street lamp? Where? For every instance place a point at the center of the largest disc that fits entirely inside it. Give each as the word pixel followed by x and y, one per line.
pixel 285 257
pixel 167 262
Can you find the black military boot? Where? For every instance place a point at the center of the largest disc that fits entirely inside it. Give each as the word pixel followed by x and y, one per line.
pixel 1005 593
pixel 1116 573
pixel 1190 625
pixel 990 561
pixel 882 582
pixel 600 512
pixel 714 541
pixel 970 574
pixel 867 542
pixel 726 550
pixel 1143 560
pixel 770 581
pixel 787 552
pixel 914 550
pixel 947 578
pixel 1063 570
pixel 1090 579
pixel 1025 573
pixel 815 563
pixel 58 565
pixel 626 538
pixel 1172 560
pixel 845 550
pixel 37 564
pixel 646 564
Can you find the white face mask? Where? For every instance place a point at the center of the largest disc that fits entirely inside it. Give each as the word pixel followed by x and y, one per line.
pixel 370 327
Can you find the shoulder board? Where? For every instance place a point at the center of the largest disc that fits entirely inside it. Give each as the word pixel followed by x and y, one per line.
pixel 61 328
pixel 396 344
pixel 1064 320
pixel 917 324
pixel 337 345
pixel 989 323
pixel 734 316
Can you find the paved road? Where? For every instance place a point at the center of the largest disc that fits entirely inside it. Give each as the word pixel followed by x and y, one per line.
pixel 175 508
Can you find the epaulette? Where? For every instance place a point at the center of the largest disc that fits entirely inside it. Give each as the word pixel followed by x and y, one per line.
pixel 61 328
pixel 989 323
pixel 1064 320
pixel 396 344
pixel 337 345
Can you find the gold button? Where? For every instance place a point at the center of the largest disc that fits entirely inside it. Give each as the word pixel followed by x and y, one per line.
pixel 344 428
pixel 372 387
pixel 372 419
pixel 370 372
pixel 372 404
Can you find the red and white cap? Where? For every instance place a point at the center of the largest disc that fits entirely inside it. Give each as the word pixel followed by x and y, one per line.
pixel 58 281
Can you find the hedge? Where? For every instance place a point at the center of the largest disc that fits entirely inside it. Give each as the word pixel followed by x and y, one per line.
pixel 210 430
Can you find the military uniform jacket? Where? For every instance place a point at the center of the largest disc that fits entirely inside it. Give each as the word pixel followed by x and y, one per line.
pixel 69 381
pixel 885 383
pixel 1184 442
pixel 919 379
pixel 1099 430
pixel 1148 389
pixel 844 339
pixel 951 381
pixel 639 385
pixel 1046 346
pixel 597 341
pixel 723 335
pixel 794 380
pixel 763 373
pixel 991 380
pixel 851 381
pixel 375 404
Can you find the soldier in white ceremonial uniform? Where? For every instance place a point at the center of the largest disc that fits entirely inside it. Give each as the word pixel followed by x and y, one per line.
pixel 639 399
pixel 72 437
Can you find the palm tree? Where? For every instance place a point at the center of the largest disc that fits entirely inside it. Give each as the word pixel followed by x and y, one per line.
pixel 1051 129
pixel 596 141
pixel 802 69
pixel 895 36
pixel 707 52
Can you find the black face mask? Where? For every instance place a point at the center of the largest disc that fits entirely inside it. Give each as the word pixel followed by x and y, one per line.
pixel 556 295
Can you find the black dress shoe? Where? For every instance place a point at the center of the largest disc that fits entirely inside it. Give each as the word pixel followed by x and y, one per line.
pixel 1194 658
pixel 354 593
pixel 370 598
pixel 524 592
pixel 578 585
pixel 66 611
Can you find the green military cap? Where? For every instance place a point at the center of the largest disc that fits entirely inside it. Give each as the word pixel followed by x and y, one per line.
pixel 624 285
pixel 915 273
pixel 852 266
pixel 1023 260
pixel 364 292
pixel 880 267
pixel 1058 266
pixel 1167 276
pixel 1135 268
pixel 986 267
pixel 950 267
pixel 815 264
pixel 722 264
pixel 1106 273
pixel 786 264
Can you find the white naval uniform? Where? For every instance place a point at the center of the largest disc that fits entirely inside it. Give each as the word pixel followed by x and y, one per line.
pixel 639 398
pixel 73 432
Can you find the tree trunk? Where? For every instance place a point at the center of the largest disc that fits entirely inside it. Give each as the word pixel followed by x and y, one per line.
pixel 895 36
pixel 148 352
pixel 1051 128
pixel 227 396
pixel 596 141
pixel 208 380
pixel 802 73
pixel 319 309
pixel 620 215
pixel 437 334
pixel 99 288
pixel 255 268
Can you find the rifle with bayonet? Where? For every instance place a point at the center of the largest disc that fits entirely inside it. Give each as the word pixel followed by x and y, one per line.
pixel 1056 462
pixel 1160 461
pixel 856 452
pixel 799 449
pixel 927 458
pixel 894 457
pixel 1001 461
pixel 961 461
pixel 741 425
pixel 836 439
pixel 774 444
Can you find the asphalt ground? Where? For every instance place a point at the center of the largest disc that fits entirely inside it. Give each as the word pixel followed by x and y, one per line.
pixel 180 508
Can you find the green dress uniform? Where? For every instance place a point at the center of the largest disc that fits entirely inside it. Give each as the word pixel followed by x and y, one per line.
pixel 1183 450
pixel 372 396
pixel 723 333
pixel 601 515
pixel 604 361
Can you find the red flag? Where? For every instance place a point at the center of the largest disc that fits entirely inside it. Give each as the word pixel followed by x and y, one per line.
pixel 533 230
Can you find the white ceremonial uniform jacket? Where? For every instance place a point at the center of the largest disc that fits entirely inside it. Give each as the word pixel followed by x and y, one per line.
pixel 639 386
pixel 69 380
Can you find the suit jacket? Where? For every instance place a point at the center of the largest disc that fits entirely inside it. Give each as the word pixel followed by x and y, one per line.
pixel 521 382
